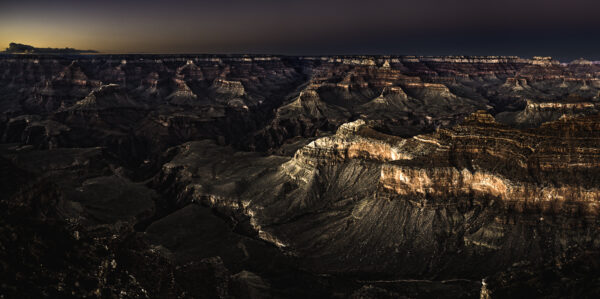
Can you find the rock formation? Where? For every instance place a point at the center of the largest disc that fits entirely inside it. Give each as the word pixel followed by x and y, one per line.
pixel 274 176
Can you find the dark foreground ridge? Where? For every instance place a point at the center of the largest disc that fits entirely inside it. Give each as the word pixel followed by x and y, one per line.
pixel 240 176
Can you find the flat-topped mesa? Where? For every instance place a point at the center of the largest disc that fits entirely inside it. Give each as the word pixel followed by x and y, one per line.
pixel 581 61
pixel 393 91
pixel 430 89
pixel 537 112
pixel 233 88
pixel 516 84
pixel 544 61
pixel 479 116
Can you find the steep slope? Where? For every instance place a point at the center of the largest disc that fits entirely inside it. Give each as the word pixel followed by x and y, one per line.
pixel 293 177
pixel 461 202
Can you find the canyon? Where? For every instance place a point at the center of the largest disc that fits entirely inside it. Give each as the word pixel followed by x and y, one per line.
pixel 260 176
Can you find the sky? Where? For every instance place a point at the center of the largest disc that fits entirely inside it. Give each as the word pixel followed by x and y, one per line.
pixel 564 29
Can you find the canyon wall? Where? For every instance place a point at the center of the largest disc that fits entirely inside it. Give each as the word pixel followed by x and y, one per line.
pixel 284 176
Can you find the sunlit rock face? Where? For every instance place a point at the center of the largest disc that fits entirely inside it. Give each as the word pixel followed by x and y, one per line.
pixel 337 176
pixel 549 169
pixel 480 191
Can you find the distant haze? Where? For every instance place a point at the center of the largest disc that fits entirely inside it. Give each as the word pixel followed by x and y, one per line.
pixel 563 29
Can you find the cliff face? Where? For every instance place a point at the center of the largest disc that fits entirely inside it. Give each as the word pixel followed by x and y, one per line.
pixel 299 176
pixel 550 169
pixel 477 191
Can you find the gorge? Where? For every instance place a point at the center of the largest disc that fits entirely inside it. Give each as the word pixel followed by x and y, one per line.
pixel 260 176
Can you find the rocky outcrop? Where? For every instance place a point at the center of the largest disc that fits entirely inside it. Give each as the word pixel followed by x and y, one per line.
pixel 537 113
pixel 273 176
pixel 477 192
pixel 105 97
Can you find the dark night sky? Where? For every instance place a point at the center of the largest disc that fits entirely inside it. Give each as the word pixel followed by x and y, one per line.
pixel 563 29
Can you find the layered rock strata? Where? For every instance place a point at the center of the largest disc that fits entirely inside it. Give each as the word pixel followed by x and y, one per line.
pixel 338 176
pixel 361 201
